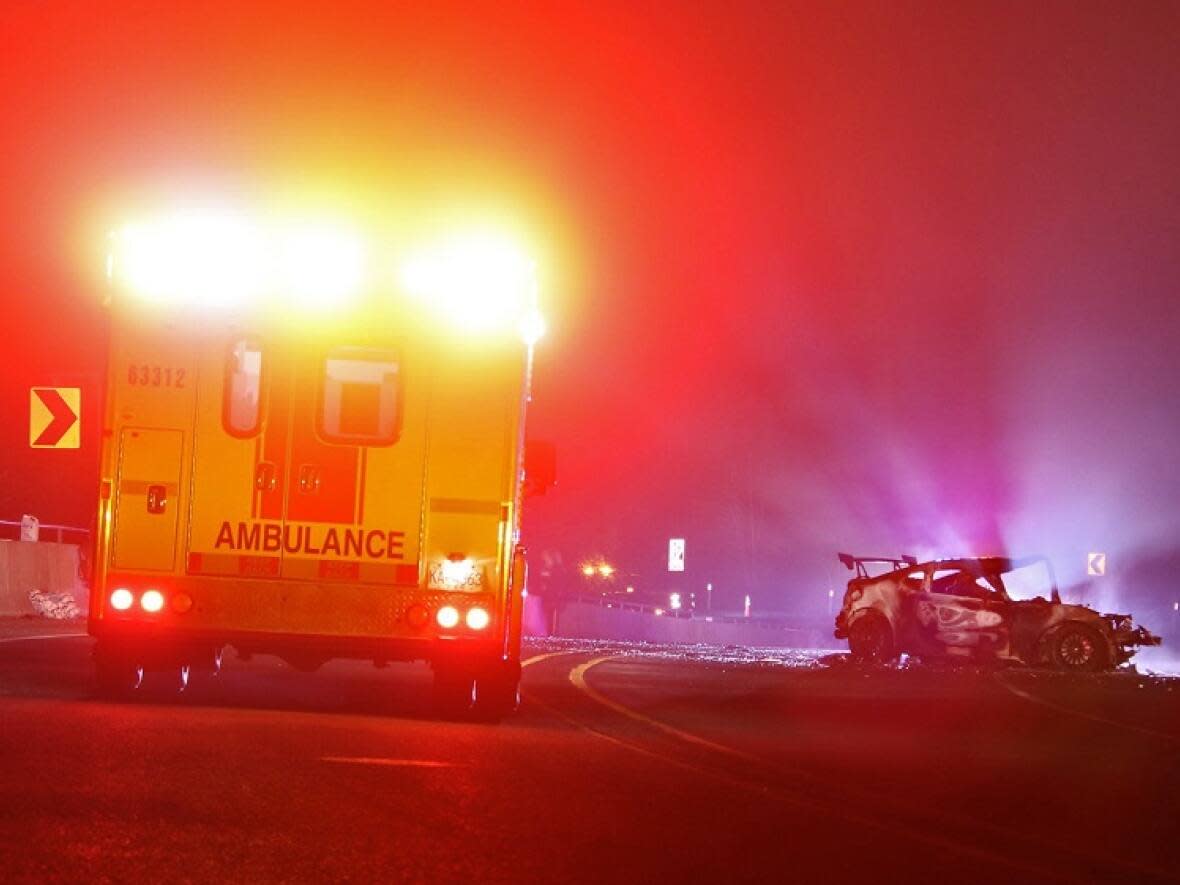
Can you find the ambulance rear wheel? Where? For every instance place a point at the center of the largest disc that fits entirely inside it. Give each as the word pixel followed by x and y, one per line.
pixel 497 692
pixel 117 677
pixel 454 692
pixel 164 682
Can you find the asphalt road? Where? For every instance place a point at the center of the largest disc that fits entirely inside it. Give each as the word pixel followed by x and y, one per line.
pixel 623 765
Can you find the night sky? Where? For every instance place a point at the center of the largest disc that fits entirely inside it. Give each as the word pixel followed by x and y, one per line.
pixel 877 277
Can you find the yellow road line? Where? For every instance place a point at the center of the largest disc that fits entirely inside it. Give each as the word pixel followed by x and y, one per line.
pixel 536 659
pixel 393 763
pixel 578 678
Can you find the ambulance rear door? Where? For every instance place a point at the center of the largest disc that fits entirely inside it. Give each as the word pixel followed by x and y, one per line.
pixel 355 466
pixel 153 397
pixel 235 523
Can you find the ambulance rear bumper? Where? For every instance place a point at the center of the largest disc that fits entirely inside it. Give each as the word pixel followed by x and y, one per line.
pixel 161 645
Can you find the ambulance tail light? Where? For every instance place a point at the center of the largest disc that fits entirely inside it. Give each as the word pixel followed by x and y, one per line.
pixel 152 601
pixel 122 599
pixel 447 617
pixel 478 618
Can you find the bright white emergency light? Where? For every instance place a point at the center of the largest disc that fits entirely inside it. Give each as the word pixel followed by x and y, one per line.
pixel 479 282
pixel 532 326
pixel 193 258
pixel 122 599
pixel 220 259
pixel 319 267
pixel 447 617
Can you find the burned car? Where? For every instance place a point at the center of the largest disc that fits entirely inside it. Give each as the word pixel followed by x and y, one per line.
pixel 978 609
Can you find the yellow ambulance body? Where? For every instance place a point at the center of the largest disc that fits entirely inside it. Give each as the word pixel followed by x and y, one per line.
pixel 336 480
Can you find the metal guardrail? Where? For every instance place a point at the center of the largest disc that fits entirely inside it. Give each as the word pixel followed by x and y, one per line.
pixel 762 623
pixel 61 531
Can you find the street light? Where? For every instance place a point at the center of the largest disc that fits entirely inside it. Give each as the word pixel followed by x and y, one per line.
pixel 599 567
pixel 600 577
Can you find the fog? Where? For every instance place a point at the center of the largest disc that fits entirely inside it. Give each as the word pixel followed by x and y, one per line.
pixel 816 279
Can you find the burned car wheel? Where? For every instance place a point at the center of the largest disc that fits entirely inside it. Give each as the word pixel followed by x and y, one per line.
pixel 870 639
pixel 1079 649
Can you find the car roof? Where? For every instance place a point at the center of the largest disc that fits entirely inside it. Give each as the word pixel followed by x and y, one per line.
pixel 984 564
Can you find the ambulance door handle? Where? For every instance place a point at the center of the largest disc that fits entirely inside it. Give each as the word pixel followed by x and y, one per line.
pixel 264 477
pixel 309 479
pixel 157 499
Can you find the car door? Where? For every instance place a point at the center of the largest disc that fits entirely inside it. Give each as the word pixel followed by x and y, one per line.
pixel 958 614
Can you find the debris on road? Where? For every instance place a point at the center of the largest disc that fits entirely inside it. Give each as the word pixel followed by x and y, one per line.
pixel 794 658
pixel 56 606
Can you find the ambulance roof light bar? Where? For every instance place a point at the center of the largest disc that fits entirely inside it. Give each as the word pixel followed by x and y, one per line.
pixel 478 282
pixel 223 260
pixel 207 258
pixel 217 260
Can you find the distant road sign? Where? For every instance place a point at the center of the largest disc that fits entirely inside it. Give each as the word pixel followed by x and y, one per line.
pixel 53 417
pixel 30 528
pixel 1096 564
pixel 676 555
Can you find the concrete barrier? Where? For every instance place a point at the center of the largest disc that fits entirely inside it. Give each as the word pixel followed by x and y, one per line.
pixel 49 568
pixel 578 620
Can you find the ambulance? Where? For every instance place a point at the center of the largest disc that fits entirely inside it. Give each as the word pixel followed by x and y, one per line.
pixel 314 447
